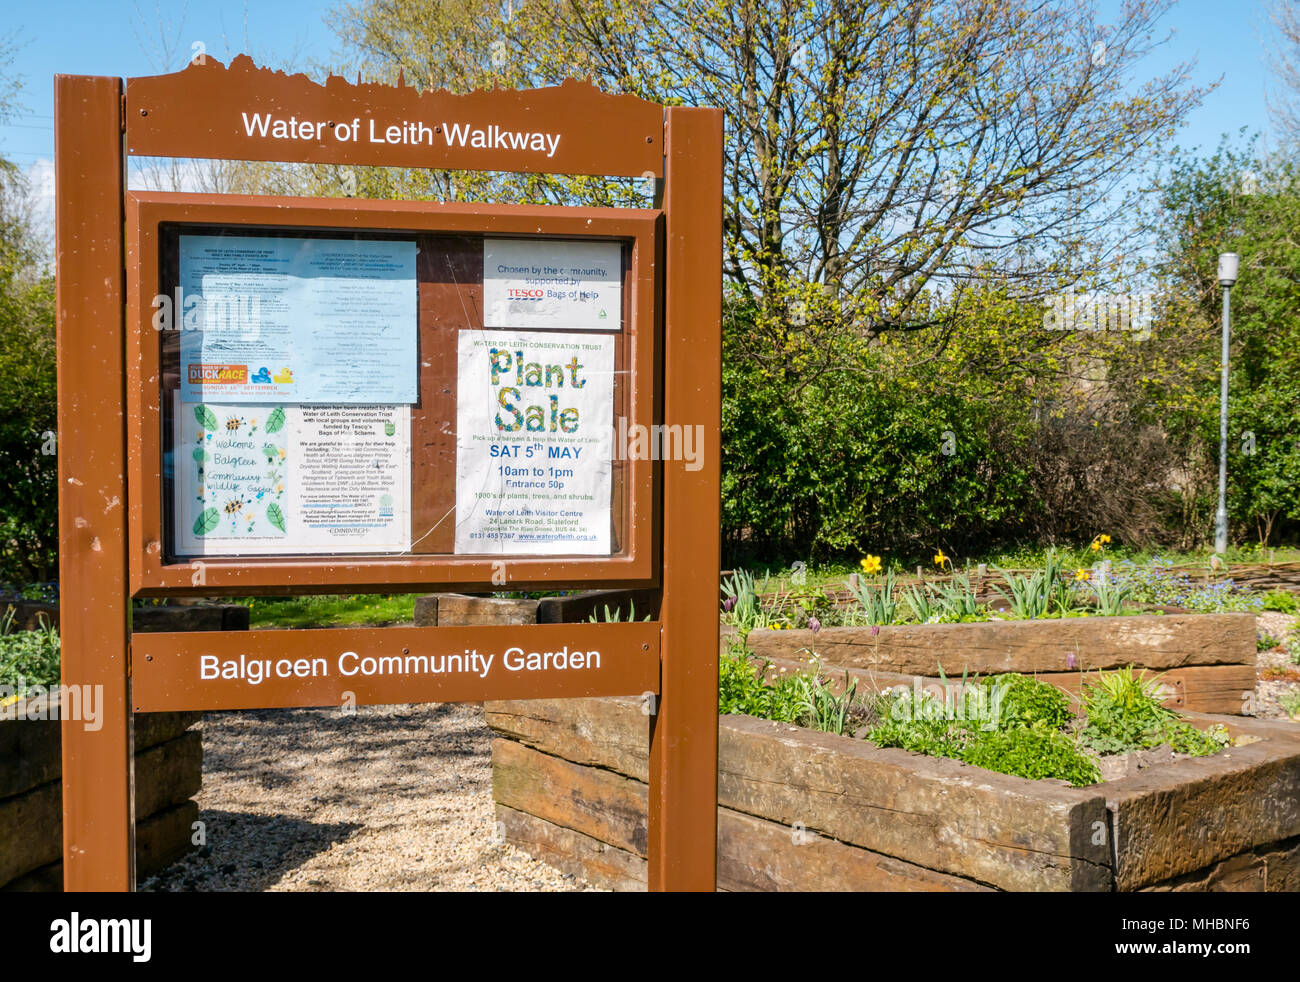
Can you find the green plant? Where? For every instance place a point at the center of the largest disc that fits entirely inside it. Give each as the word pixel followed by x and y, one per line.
pixel 741 602
pixel 1061 593
pixel 879 605
pixel 1032 752
pixel 1281 601
pixel 823 708
pixel 1023 701
pixel 1111 595
pixel 924 605
pixel 1290 702
pixel 1124 714
pixel 742 689
pixel 959 597
pixel 919 721
pixel 1030 595
pixel 1266 642
pixel 1293 649
pixel 28 658
pixel 616 615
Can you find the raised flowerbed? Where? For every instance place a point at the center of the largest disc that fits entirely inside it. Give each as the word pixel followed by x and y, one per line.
pixel 800 809
pixel 803 810
pixel 1209 658
pixel 168 765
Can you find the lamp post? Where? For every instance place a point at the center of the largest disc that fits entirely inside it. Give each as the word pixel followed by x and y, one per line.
pixel 1228 262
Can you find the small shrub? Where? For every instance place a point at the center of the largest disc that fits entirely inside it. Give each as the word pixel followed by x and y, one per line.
pixel 742 689
pixel 1032 752
pixel 1266 642
pixel 1027 701
pixel 1281 601
pixel 1290 702
pixel 28 658
pixel 1124 714
pixel 921 723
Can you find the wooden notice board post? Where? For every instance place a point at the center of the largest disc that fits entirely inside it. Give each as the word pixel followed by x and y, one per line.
pixel 385 396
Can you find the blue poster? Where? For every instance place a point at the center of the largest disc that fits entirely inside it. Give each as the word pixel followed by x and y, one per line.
pixel 296 320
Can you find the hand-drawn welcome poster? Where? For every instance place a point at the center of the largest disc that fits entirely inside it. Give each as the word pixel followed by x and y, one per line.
pixel 284 480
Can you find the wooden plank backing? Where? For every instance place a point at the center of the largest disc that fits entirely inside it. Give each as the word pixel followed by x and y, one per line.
pixel 1188 815
pixel 1002 831
pixel 1055 645
pixel 1219 689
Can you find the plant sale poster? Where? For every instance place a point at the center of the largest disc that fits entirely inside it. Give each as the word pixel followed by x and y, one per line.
pixel 534 442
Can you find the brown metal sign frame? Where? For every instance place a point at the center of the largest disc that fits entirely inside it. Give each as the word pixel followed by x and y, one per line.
pixel 109 495
pixel 152 575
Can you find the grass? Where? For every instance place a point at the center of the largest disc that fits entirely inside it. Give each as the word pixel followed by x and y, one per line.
pixel 365 609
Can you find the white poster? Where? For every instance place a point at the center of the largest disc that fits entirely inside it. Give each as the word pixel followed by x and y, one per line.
pixel 283 480
pixel 534 443
pixel 301 320
pixel 559 283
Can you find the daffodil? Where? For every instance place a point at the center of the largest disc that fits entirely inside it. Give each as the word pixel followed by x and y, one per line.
pixel 871 564
pixel 940 559
pixel 1082 574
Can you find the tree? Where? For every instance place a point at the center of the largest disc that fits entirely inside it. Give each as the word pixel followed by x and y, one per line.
pixel 884 158
pixel 29 499
pixel 1240 201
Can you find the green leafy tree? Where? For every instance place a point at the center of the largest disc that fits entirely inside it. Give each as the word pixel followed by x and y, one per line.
pixel 1239 201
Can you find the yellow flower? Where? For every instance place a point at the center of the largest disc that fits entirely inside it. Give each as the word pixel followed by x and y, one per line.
pixel 871 564
pixel 1082 574
pixel 940 559
pixel 1105 538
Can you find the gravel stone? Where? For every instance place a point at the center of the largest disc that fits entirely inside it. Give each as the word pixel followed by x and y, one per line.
pixel 1268 691
pixel 384 798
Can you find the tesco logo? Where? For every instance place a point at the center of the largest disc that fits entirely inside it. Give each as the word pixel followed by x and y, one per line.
pixel 516 294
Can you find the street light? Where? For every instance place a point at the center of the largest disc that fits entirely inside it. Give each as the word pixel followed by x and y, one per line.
pixel 1228 262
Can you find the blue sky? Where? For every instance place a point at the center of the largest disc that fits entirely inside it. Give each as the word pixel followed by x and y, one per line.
pixel 107 37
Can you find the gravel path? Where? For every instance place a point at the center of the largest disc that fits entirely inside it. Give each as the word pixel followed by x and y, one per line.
pixel 1285 674
pixel 388 798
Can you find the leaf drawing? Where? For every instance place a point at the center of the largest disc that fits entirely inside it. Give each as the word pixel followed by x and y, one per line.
pixel 206 522
pixel 206 417
pixel 275 516
pixel 275 421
